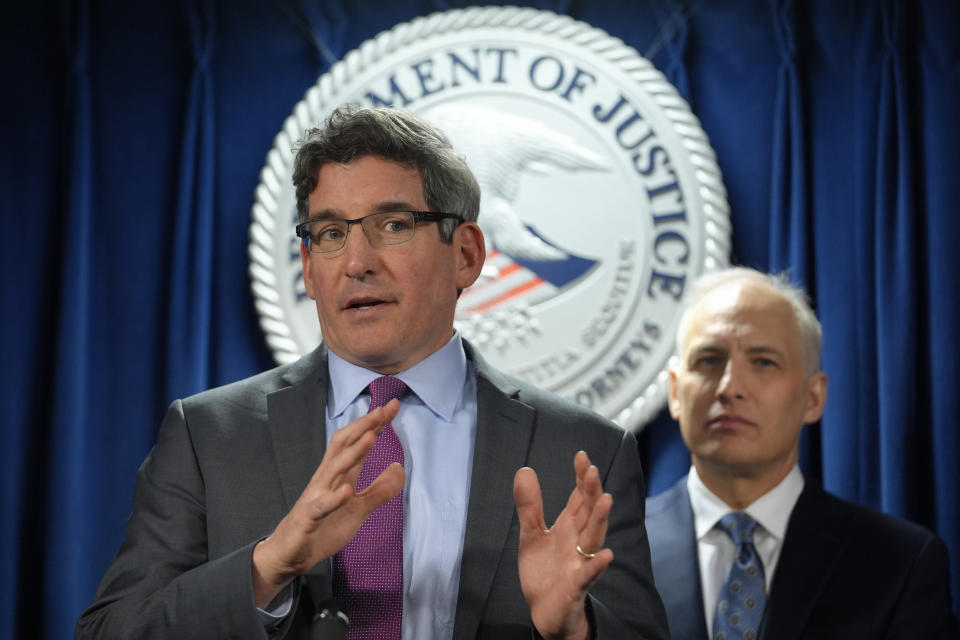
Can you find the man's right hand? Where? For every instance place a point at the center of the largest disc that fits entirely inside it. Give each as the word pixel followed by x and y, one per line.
pixel 329 511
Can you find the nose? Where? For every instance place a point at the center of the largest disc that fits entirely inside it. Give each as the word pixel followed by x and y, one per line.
pixel 360 256
pixel 732 384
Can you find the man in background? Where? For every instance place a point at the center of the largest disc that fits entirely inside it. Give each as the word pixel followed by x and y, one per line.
pixel 744 546
pixel 387 475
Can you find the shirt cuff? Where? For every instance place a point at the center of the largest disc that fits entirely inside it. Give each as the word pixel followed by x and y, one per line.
pixel 278 609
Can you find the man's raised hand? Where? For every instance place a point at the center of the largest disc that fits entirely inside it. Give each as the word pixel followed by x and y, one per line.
pixel 558 565
pixel 329 511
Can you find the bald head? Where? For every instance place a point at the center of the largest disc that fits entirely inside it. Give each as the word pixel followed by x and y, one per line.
pixel 746 381
pixel 718 285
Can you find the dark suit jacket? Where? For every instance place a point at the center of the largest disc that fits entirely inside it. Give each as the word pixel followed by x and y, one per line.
pixel 230 462
pixel 845 571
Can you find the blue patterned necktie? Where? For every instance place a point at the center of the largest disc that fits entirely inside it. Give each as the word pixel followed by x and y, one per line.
pixel 742 597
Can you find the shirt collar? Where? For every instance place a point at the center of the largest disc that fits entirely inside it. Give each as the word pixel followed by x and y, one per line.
pixel 772 509
pixel 429 379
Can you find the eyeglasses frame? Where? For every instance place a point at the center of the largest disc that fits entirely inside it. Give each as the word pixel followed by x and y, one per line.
pixel 418 217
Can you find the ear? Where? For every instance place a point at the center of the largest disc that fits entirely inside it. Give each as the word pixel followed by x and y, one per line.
pixel 305 268
pixel 817 397
pixel 471 252
pixel 672 401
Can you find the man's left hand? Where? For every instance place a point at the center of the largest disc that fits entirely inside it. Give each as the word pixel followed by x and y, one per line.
pixel 558 565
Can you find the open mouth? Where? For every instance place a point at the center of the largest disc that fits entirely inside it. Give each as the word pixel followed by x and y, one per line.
pixel 364 303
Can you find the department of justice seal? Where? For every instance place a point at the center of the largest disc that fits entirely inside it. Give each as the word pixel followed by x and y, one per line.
pixel 601 198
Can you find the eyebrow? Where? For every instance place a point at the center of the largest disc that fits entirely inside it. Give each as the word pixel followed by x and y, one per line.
pixel 706 349
pixel 382 207
pixel 765 350
pixel 755 350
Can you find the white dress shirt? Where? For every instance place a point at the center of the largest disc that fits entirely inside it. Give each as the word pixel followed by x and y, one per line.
pixel 715 549
pixel 436 424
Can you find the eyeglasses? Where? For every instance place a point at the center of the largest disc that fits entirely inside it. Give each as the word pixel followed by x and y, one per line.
pixel 326 235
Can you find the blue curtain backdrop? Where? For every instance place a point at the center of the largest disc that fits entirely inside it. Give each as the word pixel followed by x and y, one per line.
pixel 133 135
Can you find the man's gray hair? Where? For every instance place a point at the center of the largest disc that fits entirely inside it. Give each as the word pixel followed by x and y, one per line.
pixel 798 299
pixel 351 132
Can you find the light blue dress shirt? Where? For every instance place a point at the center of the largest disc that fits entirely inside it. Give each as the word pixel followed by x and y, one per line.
pixel 437 425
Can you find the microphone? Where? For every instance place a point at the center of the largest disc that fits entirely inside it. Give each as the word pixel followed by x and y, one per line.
pixel 329 623
pixel 329 620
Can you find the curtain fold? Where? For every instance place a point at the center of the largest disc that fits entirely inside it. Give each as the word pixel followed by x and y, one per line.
pixel 936 106
pixel 791 220
pixel 674 33
pixel 835 107
pixel 855 479
pixel 937 190
pixel 190 324
pixel 327 23
pixel 789 212
pixel 67 510
pixel 895 261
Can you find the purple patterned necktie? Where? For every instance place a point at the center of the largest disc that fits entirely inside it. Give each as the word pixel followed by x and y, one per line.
pixel 368 572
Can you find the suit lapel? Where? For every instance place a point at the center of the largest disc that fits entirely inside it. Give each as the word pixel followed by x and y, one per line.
pixel 297 420
pixel 812 548
pixel 673 545
pixel 296 416
pixel 504 428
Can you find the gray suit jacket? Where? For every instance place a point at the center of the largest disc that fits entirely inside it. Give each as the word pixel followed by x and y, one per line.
pixel 230 462
pixel 845 571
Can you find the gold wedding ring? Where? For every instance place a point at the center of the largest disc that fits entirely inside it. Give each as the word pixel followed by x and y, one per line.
pixel 584 554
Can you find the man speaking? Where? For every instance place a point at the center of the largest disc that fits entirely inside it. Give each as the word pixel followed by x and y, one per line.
pixel 391 474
